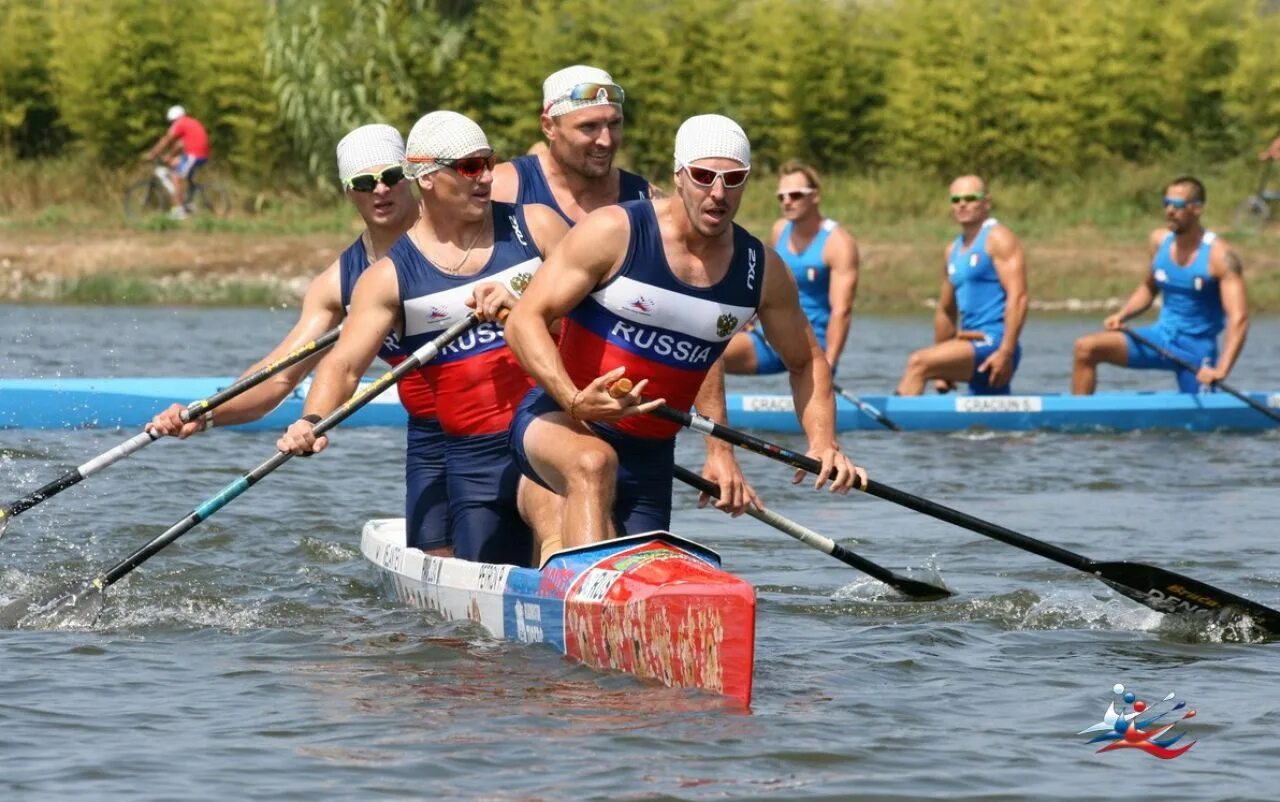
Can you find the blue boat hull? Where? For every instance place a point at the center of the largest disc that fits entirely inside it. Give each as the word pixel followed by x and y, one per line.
pixel 128 403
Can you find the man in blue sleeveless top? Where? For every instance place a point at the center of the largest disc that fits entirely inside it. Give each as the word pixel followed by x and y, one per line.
pixel 985 284
pixel 582 121
pixel 1202 281
pixel 370 170
pixel 654 290
pixel 823 258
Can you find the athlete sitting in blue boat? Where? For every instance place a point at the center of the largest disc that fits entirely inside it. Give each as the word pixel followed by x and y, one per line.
pixel 1202 281
pixel 985 285
pixel 823 257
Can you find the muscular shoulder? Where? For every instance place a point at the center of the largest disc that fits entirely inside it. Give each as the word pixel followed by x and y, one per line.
pixel 1001 241
pixel 1223 259
pixel 325 290
pixel 547 227
pixel 1156 237
pixel 506 183
pixel 775 235
pixel 840 243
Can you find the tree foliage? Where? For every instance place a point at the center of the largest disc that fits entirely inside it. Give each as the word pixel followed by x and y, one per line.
pixel 1017 87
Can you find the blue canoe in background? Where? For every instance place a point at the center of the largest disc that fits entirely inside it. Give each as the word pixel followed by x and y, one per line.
pixel 130 402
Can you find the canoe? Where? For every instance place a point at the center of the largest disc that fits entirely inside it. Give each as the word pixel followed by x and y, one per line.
pixel 130 402
pixel 1103 412
pixel 653 605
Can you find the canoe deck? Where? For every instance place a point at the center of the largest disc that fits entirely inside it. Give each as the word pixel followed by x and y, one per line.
pixel 653 605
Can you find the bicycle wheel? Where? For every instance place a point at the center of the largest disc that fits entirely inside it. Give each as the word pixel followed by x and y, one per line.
pixel 210 199
pixel 145 198
pixel 1252 213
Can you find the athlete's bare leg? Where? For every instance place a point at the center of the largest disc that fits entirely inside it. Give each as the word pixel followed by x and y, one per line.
pixel 1092 350
pixel 951 360
pixel 543 511
pixel 582 469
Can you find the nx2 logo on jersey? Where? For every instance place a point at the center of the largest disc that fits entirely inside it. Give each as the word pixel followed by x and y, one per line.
pixel 515 229
pixel 660 344
pixel 751 270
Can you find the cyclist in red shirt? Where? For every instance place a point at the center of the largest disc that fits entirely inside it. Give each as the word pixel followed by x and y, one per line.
pixel 185 146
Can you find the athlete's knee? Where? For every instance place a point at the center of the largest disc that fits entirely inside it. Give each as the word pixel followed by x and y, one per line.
pixel 918 363
pixel 594 465
pixel 1086 350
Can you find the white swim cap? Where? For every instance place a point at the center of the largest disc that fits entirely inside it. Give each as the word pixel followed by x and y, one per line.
pixel 595 85
pixel 711 136
pixel 175 112
pixel 369 146
pixel 441 135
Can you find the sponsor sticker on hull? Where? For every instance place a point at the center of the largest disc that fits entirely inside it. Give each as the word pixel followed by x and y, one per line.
pixel 768 403
pixel 999 403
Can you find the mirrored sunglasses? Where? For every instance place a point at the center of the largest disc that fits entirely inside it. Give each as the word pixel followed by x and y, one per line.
pixel 970 197
pixel 705 176
pixel 1179 203
pixel 592 91
pixel 471 166
pixel 368 182
pixel 794 195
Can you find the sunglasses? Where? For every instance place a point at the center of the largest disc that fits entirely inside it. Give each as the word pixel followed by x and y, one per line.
pixel 794 195
pixel 468 167
pixel 1179 203
pixel 972 196
pixel 368 182
pixel 592 91
pixel 705 176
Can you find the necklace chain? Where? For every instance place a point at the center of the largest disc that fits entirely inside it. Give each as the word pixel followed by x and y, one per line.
pixel 465 254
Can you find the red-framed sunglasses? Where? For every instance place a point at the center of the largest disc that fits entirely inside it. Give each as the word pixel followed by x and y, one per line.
pixel 468 167
pixel 705 176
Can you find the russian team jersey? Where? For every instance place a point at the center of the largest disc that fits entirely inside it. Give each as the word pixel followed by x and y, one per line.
pixel 1192 300
pixel 414 393
pixel 657 326
pixel 535 189
pixel 476 381
pixel 980 296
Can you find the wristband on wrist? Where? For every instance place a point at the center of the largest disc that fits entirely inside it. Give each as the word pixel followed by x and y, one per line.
pixel 206 421
pixel 313 418
pixel 573 403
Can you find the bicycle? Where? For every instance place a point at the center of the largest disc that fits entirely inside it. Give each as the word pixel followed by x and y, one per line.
pixel 1254 211
pixel 153 195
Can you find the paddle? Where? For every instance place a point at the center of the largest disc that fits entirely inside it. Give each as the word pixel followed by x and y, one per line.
pixel 908 587
pixel 1185 365
pixel 15 613
pixel 139 441
pixel 1161 590
pixel 871 411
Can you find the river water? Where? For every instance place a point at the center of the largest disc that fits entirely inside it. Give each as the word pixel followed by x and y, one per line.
pixel 258 658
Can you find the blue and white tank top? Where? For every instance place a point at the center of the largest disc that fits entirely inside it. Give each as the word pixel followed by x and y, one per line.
pixel 1192 300
pixel 980 296
pixel 535 189
pixel 813 277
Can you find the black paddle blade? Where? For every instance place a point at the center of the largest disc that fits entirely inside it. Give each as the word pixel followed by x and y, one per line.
pixel 1169 592
pixel 917 590
pixel 77 604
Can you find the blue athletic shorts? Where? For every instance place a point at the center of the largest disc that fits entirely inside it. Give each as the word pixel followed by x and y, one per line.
pixel 483 516
pixel 978 382
pixel 1196 350
pixel 187 165
pixel 767 359
pixel 642 500
pixel 426 496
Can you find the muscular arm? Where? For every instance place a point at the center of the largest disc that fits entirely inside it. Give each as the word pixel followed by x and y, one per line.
pixel 788 331
pixel 584 258
pixel 506 183
pixel 321 311
pixel 1144 295
pixel 1011 269
pixel 945 313
pixel 375 310
pixel 1226 267
pixel 841 256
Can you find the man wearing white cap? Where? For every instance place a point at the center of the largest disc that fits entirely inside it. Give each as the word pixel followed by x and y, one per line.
pixel 465 253
pixel 371 171
pixel 654 290
pixel 190 143
pixel 582 121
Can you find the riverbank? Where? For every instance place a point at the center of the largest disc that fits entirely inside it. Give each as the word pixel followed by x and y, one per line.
pixel 1076 271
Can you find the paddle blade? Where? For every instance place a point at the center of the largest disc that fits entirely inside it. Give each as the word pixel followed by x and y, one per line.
pixel 917 590
pixel 1172 593
pixel 4 523
pixel 66 605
